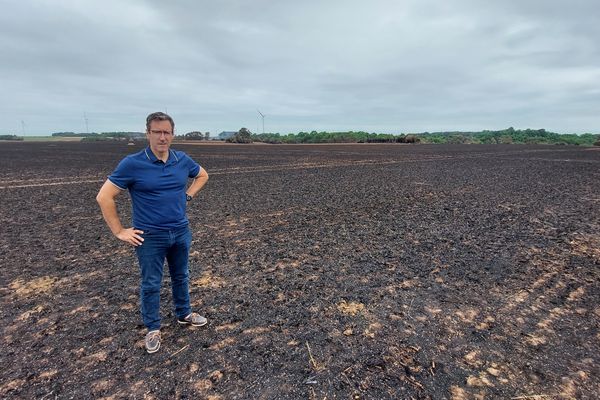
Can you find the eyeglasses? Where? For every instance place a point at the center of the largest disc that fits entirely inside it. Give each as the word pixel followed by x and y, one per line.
pixel 160 133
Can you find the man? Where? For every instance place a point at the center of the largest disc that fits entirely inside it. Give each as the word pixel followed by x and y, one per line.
pixel 156 178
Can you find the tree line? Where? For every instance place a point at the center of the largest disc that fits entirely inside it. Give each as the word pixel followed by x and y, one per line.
pixel 505 136
pixel 511 135
pixel 334 137
pixel 10 137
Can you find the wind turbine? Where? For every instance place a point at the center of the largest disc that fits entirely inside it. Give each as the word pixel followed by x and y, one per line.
pixel 263 119
pixel 87 129
pixel 23 127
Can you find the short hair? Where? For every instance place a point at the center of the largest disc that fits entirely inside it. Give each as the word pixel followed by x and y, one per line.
pixel 159 116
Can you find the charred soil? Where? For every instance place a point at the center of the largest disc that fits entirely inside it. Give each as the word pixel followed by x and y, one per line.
pixel 337 271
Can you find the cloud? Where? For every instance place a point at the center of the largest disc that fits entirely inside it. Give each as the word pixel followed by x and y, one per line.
pixel 382 66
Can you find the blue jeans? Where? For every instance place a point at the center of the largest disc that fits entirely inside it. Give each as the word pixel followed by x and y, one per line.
pixel 174 246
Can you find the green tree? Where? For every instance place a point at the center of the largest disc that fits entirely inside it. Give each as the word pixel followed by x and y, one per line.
pixel 243 136
pixel 194 135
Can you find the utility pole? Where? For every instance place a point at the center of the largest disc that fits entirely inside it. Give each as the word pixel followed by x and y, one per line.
pixel 23 127
pixel 85 118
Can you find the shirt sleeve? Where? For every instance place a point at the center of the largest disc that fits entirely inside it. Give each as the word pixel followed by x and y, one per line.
pixel 122 176
pixel 194 167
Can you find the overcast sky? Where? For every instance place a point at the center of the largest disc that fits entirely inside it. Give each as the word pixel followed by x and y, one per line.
pixel 378 66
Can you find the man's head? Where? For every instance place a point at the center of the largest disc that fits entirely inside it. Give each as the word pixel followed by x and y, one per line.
pixel 160 130
pixel 159 116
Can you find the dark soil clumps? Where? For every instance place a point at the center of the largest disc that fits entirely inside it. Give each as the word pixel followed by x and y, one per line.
pixel 338 271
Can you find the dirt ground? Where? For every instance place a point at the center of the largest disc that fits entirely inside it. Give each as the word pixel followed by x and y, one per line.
pixel 331 271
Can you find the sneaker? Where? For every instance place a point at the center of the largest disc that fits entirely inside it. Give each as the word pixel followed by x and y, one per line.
pixel 193 319
pixel 152 341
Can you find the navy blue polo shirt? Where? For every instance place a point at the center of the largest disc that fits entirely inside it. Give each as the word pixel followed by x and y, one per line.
pixel 157 189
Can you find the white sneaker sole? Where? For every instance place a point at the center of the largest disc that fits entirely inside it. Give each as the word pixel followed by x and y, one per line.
pixel 152 351
pixel 189 323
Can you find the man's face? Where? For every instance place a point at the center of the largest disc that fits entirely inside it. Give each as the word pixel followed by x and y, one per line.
pixel 160 136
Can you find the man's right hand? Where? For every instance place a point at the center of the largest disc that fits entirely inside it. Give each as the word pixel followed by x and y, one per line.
pixel 131 236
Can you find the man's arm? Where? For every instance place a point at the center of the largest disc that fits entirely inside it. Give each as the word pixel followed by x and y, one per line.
pixel 198 183
pixel 106 199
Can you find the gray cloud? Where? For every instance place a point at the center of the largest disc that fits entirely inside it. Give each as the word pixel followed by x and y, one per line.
pixel 382 66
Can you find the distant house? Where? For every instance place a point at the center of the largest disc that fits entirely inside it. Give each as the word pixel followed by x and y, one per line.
pixel 226 135
pixel 137 135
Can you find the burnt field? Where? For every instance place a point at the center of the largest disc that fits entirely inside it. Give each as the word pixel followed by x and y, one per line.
pixel 326 271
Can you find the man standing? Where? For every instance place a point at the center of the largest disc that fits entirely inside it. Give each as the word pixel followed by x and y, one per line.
pixel 156 178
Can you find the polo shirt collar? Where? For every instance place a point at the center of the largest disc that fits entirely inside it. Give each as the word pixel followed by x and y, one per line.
pixel 150 155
